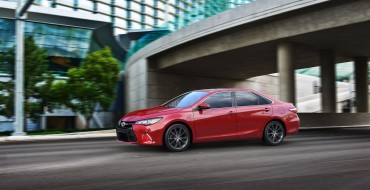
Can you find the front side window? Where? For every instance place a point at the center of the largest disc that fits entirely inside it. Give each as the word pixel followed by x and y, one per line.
pixel 220 100
pixel 185 100
pixel 249 99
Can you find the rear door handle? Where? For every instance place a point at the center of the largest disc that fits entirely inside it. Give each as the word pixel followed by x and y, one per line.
pixel 267 109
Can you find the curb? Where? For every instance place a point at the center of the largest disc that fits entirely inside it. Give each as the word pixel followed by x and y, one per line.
pixel 58 137
pixel 333 127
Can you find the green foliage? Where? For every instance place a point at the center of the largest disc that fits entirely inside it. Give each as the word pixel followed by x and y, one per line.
pixel 91 84
pixel 37 84
pixel 87 86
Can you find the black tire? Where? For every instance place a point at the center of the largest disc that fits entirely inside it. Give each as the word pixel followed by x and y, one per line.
pixel 274 133
pixel 177 138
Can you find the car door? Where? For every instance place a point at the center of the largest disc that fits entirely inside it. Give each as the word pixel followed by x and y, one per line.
pixel 253 112
pixel 219 121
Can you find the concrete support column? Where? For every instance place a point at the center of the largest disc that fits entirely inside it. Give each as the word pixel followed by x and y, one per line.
pixel 362 86
pixel 328 83
pixel 285 64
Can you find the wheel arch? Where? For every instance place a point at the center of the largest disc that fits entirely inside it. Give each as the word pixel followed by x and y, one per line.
pixel 278 120
pixel 178 122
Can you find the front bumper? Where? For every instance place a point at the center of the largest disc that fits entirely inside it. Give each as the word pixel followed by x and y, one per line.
pixel 126 135
pixel 139 134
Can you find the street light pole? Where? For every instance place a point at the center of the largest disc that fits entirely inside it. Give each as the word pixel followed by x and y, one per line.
pixel 19 67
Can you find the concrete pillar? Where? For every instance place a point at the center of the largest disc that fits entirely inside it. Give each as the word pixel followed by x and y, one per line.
pixel 328 82
pixel 362 86
pixel 285 64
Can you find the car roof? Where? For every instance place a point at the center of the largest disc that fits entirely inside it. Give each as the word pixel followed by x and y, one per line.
pixel 224 89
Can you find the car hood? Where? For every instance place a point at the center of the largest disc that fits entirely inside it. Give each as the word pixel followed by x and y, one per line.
pixel 149 113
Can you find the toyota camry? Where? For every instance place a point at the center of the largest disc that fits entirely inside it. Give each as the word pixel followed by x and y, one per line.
pixel 210 115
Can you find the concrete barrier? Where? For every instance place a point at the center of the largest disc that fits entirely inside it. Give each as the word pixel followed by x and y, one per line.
pixel 312 120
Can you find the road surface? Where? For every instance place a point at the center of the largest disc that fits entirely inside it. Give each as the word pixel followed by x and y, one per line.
pixel 337 159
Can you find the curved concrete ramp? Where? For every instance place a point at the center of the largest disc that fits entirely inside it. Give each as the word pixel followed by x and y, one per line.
pixel 259 38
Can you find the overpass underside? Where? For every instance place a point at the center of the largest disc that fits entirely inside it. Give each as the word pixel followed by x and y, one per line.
pixel 316 36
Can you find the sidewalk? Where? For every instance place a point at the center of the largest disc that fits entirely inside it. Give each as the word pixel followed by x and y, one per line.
pixel 65 136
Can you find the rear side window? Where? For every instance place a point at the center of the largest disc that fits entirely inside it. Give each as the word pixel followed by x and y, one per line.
pixel 220 100
pixel 250 99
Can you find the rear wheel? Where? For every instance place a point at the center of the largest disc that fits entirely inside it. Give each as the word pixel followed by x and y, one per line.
pixel 177 138
pixel 274 133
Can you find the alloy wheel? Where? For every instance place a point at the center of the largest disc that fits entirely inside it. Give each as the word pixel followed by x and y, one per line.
pixel 274 133
pixel 177 138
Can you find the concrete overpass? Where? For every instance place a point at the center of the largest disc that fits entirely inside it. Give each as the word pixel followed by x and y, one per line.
pixel 266 36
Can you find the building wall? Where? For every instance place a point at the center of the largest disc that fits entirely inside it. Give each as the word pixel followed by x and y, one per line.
pixel 136 86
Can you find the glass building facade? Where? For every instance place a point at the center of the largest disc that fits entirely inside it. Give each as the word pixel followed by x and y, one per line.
pixel 65 46
pixel 145 14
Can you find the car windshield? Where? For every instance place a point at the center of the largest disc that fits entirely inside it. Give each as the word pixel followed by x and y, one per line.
pixel 185 100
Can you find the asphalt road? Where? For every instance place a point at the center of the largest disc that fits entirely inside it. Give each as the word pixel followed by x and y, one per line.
pixel 337 159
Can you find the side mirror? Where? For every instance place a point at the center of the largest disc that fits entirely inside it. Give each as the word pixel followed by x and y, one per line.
pixel 203 106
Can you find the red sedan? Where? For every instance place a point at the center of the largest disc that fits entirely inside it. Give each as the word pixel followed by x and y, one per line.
pixel 210 115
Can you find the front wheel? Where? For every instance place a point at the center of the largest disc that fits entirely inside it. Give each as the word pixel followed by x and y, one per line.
pixel 177 138
pixel 274 133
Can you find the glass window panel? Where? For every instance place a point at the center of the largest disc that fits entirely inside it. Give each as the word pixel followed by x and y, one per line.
pixel 86 4
pixel 171 17
pixel 121 12
pixel 220 100
pixel 149 10
pixel 121 3
pixel 161 14
pixel 103 8
pixel 60 41
pixel 121 22
pixel 171 9
pixel 249 99
pixel 246 99
pixel 135 16
pixel 135 6
pixel 135 25
pixel 149 2
pixel 149 20
pixel 161 23
pixel 161 4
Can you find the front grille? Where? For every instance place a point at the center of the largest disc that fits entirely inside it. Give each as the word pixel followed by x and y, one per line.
pixel 126 134
pixel 126 124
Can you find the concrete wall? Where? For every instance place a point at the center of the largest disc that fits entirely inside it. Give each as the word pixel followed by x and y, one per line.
pixel 136 85
pixel 334 119
pixel 164 86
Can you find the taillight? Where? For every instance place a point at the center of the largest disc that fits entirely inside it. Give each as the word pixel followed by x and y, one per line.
pixel 293 109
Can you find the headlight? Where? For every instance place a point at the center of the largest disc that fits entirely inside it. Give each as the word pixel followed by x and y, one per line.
pixel 148 121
